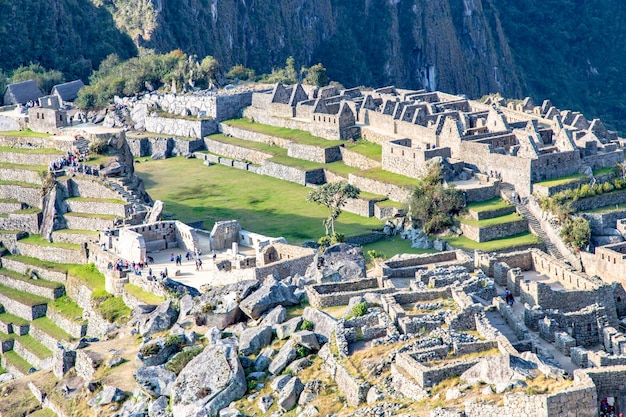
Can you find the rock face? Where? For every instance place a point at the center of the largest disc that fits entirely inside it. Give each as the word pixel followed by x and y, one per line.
pixel 254 339
pixel 274 317
pixel 288 397
pixel 162 318
pixel 307 339
pixel 325 324
pixel 268 297
pixel 285 356
pixel 209 382
pixel 340 262
pixel 220 305
pixel 156 380
pixel 285 330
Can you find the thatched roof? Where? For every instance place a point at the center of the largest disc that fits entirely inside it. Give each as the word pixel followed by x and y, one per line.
pixel 20 93
pixel 67 91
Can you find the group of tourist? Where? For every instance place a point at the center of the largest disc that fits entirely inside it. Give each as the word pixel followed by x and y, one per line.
pixel 73 161
pixel 135 267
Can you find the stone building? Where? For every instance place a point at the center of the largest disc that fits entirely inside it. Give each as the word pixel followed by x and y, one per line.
pixel 22 93
pixel 67 92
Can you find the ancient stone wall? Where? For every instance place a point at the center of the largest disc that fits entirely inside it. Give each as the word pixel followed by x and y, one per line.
pixel 484 192
pixel 180 127
pixel 25 311
pixel 410 264
pixel 253 136
pixel 607 199
pixel 314 153
pixel 488 214
pixel 428 377
pixel 600 221
pixel 25 222
pixel 548 191
pixel 393 192
pixel 30 286
pixel 28 195
pixel 485 234
pixel 356 160
pixel 26 354
pixel 52 253
pixel 292 174
pixel 104 207
pixel 172 146
pixel 360 206
pixel 27 269
pixel 25 175
pixel 90 187
pixel 29 158
pixel 86 223
pixel 285 267
pixel 353 388
pixel 76 329
pixel 235 152
pixel 473 347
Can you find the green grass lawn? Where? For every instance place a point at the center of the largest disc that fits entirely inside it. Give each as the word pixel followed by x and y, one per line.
pixel 17 361
pixel 6 337
pixel 32 210
pixel 67 307
pixel 513 217
pixel 44 412
pixel 249 144
pixel 87 273
pixel 388 177
pixel 298 136
pixel 91 215
pixel 390 203
pixel 39 168
pixel 142 295
pixel 523 239
pixel 34 346
pixel 96 200
pixel 47 326
pixel 22 297
pixel 493 204
pixel 21 277
pixel 562 180
pixel 394 245
pixel 193 192
pixel 603 171
pixel 20 183
pixel 34 151
pixel 78 231
pixel 338 167
pixel 40 241
pixel 370 149
pixel 607 209
pixel 26 133
pixel 10 318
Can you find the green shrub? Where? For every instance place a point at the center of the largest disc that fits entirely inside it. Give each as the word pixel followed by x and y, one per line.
pixel 307 325
pixel 114 310
pixel 178 362
pixel 303 351
pixel 576 233
pixel 359 309
pixel 150 349
pixel 251 384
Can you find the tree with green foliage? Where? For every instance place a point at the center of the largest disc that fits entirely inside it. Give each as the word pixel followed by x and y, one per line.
pixel 576 232
pixel 241 73
pixel 45 79
pixel 316 75
pixel 334 196
pixel 286 75
pixel 432 205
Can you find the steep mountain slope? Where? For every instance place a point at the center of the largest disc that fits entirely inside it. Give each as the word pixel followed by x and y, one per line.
pixel 69 35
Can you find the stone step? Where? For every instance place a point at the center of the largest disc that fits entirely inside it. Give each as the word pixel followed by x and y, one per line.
pixel 47 289
pixel 12 362
pixel 46 332
pixel 22 304
pixel 10 323
pixel 31 350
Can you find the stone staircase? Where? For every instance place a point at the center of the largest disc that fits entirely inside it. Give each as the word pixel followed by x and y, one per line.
pixel 128 194
pixel 533 223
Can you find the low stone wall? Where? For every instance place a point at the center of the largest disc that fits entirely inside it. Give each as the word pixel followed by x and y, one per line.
pixel 483 193
pixel 356 160
pixel 97 207
pixel 29 158
pixel 25 175
pixel 485 234
pixel 52 254
pixel 473 347
pixel 334 294
pixel 43 338
pixel 386 212
pixel 489 214
pixel 409 265
pixel 292 174
pixel 235 152
pixel 65 236
pixel 24 311
pixel 180 127
pixel 549 191
pixel 28 195
pixel 32 287
pixel 23 222
pixel 253 136
pixel 8 207
pixel 8 366
pixel 599 221
pixel 334 177
pixel 361 206
pixel 78 292
pixel 284 268
pixel 406 385
pixel 76 329
pixel 607 199
pixel 88 187
pixel 87 223
pixel 314 153
pixel 86 364
pixel 393 192
pixel 429 377
pixel 353 388
pixel 26 269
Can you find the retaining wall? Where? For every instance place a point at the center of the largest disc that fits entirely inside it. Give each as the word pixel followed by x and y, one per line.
pixel 235 152
pixel 28 195
pixel 21 310
pixel 485 234
pixel 52 254
pixel 32 287
pixel 97 207
pixel 27 269
pixel 353 388
pixel 393 192
pixel 356 160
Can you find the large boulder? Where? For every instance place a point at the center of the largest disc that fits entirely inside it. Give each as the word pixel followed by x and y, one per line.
pixel 219 306
pixel 288 397
pixel 307 339
pixel 324 323
pixel 158 408
pixel 284 357
pixel 501 369
pixel 254 339
pixel 268 297
pixel 209 382
pixel 340 262
pixel 286 329
pixel 108 395
pixel 263 360
pixel 275 316
pixel 161 318
pixel 156 380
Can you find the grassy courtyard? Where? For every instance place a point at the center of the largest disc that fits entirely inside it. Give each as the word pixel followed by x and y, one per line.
pixel 194 192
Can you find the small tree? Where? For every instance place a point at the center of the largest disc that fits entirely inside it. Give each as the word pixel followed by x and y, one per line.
pixel 576 233
pixel 334 196
pixel 316 75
